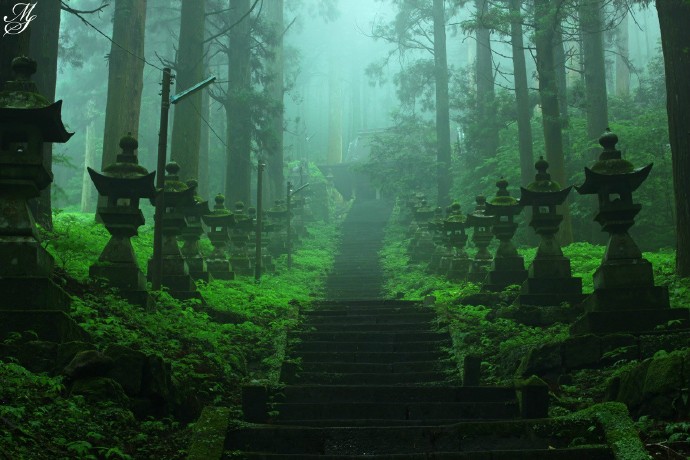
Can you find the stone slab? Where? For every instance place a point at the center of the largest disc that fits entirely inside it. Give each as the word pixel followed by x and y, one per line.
pixel 630 298
pixel 606 322
pixel 50 325
pixel 32 293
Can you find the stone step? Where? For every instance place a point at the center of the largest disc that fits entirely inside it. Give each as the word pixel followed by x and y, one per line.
pixel 584 453
pixel 463 437
pixel 382 337
pixel 408 349
pixel 397 393
pixel 376 368
pixel 335 326
pixel 380 318
pixel 397 411
pixel 371 356
pixel 400 378
pixel 353 303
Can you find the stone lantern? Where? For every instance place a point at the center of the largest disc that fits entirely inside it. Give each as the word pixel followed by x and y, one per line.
pixel 27 121
pixel 625 297
pixel 441 247
pixel 454 226
pixel 239 237
pixel 175 271
pixel 549 279
pixel 124 183
pixel 481 237
pixel 421 245
pixel 508 267
pixel 219 222
pixel 277 216
pixel 191 234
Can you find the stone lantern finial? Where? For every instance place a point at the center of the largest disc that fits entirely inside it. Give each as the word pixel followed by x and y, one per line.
pixel 502 185
pixel 541 166
pixel 128 144
pixel 608 141
pixel 220 201
pixel 172 169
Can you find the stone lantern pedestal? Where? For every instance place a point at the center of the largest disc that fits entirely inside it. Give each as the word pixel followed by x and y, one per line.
pixel 508 267
pixel 219 222
pixel 549 279
pixel 454 227
pixel 442 249
pixel 239 237
pixel 421 245
pixel 175 271
pixel 625 298
pixel 124 183
pixel 481 237
pixel 191 234
pixel 277 216
pixel 29 299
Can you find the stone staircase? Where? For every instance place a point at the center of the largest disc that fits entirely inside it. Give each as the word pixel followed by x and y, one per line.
pixel 373 380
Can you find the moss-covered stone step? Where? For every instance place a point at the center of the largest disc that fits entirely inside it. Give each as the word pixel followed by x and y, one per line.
pixel 375 368
pixel 584 453
pixel 382 337
pixel 421 319
pixel 328 378
pixel 371 346
pixel 372 356
pixel 335 326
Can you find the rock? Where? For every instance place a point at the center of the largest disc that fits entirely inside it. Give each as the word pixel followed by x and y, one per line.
pixel 617 347
pixel 88 363
pixel 664 375
pixel 67 350
pixel 128 367
pixel 156 382
pixel 98 389
pixel 631 385
pixel 581 351
pixel 544 360
pixel 37 355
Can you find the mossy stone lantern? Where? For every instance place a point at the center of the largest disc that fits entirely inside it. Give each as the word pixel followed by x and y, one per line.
pixel 421 246
pixel 442 250
pixel 175 271
pixel 549 279
pixel 508 267
pixel 454 226
pixel 191 234
pixel 27 121
pixel 239 237
pixel 219 222
pixel 481 237
pixel 625 297
pixel 277 216
pixel 124 183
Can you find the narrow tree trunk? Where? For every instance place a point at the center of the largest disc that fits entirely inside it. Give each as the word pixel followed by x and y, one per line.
pixel 204 144
pixel 237 108
pixel 674 17
pixel 274 15
pixel 622 58
pixel 521 94
pixel 590 12
pixel 486 104
pixel 562 82
pixel 186 132
pixel 88 191
pixel 546 20
pixel 125 78
pixel 442 103
pixel 335 113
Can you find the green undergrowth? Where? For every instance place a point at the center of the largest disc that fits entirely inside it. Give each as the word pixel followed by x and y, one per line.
pixel 210 359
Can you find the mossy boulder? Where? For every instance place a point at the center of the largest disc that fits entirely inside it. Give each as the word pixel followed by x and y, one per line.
pixel 88 363
pixel 544 361
pixel 128 367
pixel 98 389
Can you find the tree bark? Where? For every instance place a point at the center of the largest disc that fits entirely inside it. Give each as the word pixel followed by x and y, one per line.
pixel 186 132
pixel 442 105
pixel 204 144
pixel 622 58
pixel 125 78
pixel 274 15
pixel 674 17
pixel 335 113
pixel 524 114
pixel 486 96
pixel 562 82
pixel 88 190
pixel 237 108
pixel 546 21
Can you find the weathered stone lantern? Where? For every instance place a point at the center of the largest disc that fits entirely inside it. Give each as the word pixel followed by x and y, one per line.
pixel 441 247
pixel 124 183
pixel 277 216
pixel 454 226
pixel 175 271
pixel 191 234
pixel 481 237
pixel 508 267
pixel 239 236
pixel 549 279
pixel 27 121
pixel 421 245
pixel 625 297
pixel 219 222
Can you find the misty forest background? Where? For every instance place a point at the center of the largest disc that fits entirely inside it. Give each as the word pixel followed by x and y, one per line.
pixel 358 81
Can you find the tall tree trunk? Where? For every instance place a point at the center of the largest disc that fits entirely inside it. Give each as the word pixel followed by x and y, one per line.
pixel 186 132
pixel 521 93
pixel 45 31
pixel 204 144
pixel 237 108
pixel 88 190
pixel 546 20
pixel 442 103
pixel 125 78
pixel 674 17
pixel 274 15
pixel 622 58
pixel 335 113
pixel 590 12
pixel 486 96
pixel 562 82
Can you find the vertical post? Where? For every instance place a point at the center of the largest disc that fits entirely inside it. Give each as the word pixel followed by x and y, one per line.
pixel 259 218
pixel 157 265
pixel 289 224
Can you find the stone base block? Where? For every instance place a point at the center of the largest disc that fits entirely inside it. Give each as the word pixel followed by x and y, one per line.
pixel 49 325
pixel 201 276
pixel 22 256
pixel 567 286
pixel 459 267
pixel 242 265
pixel 624 299
pixel 544 300
pixel 178 283
pixel 140 298
pixel 123 276
pixel 624 275
pixel 504 272
pixel 32 293
pixel 606 322
pixel 220 269
pixel 187 295
pixel 550 268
